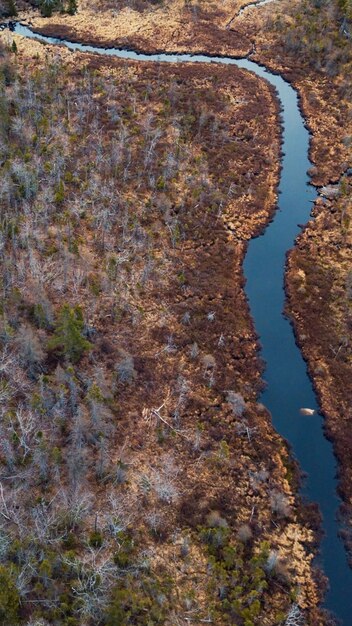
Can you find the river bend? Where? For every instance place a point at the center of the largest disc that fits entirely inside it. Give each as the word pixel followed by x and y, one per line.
pixel 288 385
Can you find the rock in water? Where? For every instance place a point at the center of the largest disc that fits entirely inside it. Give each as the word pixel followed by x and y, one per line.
pixel 307 411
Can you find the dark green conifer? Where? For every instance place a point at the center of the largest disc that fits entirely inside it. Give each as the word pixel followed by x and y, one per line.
pixel 68 338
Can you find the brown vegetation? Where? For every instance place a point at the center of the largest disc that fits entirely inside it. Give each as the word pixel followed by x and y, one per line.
pixel 139 476
pixel 309 45
pixel 319 289
pixel 177 25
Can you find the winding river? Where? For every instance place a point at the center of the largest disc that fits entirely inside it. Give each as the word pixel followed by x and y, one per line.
pixel 289 387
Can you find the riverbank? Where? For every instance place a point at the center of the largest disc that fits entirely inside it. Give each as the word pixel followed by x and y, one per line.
pixel 178 26
pixel 318 274
pixel 154 29
pixel 318 288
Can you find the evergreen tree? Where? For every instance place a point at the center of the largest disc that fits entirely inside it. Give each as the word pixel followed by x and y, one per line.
pixel 68 338
pixel 47 7
pixel 9 599
pixel 72 7
pixel 12 9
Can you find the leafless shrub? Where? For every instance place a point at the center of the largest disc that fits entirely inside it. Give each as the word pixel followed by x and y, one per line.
pixel 257 478
pixel 25 178
pixel 101 418
pixel 186 318
pixel 41 461
pixel 272 561
pixel 165 489
pixel 102 463
pixel 125 369
pixel 121 513
pixel 295 616
pixel 45 522
pixel 155 521
pixel 182 390
pixel 94 578
pixel 185 547
pixel 76 459
pixel 164 481
pixel 5 543
pixel 209 362
pixel 244 533
pixel 170 345
pixel 10 509
pixel 30 350
pixel 120 473
pixel 194 350
pixel 221 341
pixel 214 520
pixel 280 504
pixel 196 439
pixel 145 484
pixel 22 426
pixel 237 402
pixel 74 507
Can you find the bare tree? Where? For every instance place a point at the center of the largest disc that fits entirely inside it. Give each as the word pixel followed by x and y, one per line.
pixel 23 427
pixel 295 616
pixel 280 504
pixel 237 402
pixel 30 350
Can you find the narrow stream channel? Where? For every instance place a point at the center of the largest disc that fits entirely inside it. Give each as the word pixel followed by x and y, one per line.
pixel 289 387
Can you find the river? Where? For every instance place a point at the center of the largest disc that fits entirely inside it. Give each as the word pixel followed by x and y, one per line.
pixel 288 385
